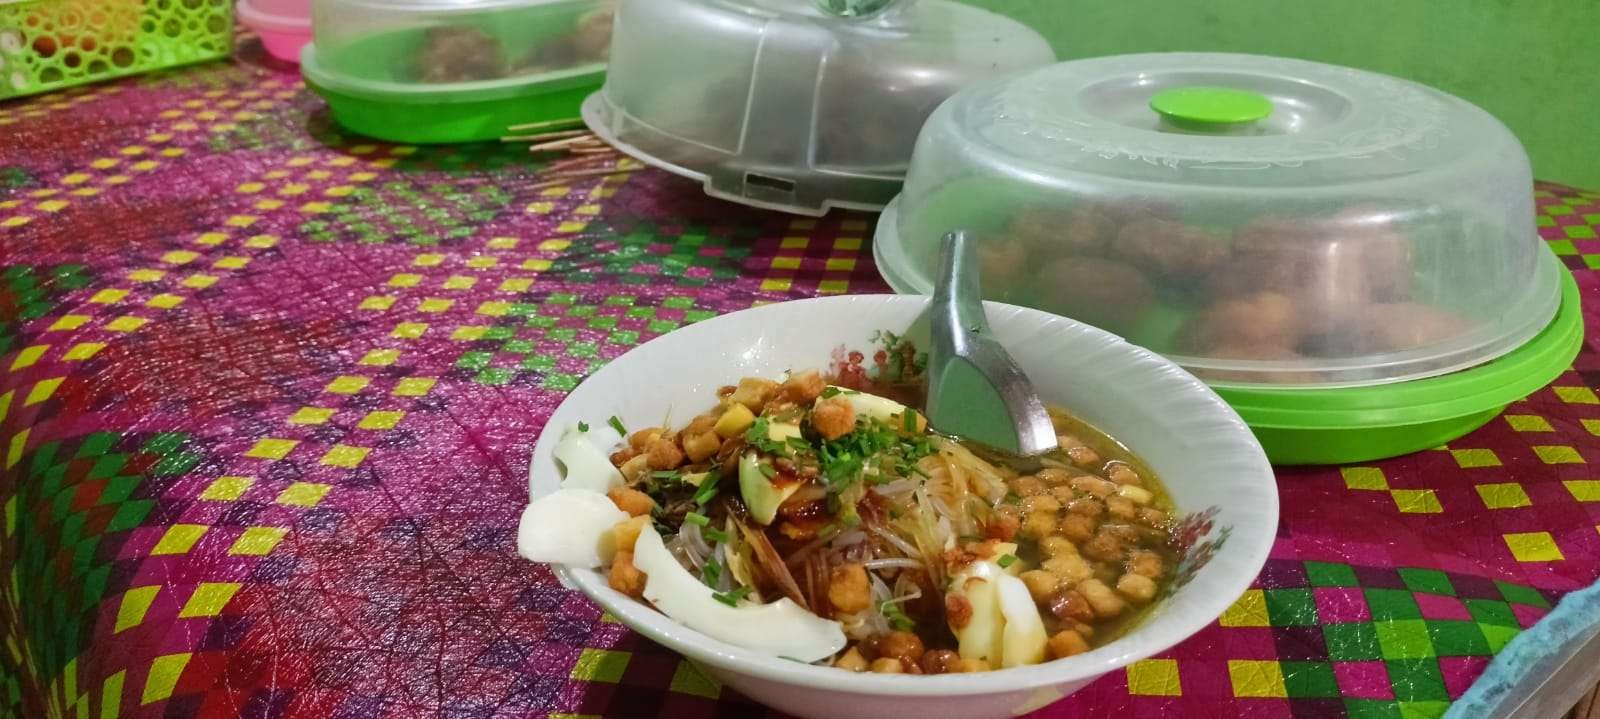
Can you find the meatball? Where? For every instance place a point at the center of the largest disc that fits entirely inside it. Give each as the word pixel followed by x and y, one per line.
pixel 901 645
pixel 459 54
pixel 1261 320
pixel 1109 294
pixel 1170 248
pixel 940 661
pixel 1080 230
pixel 1406 325
pixel 1002 262
pixel 1339 264
pixel 591 39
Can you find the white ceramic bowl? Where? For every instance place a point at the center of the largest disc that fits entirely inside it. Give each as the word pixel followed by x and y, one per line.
pixel 1212 466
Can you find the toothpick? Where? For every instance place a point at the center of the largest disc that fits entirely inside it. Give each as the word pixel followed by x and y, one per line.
pixel 542 125
pixel 578 161
pixel 568 177
pixel 571 134
pixel 584 139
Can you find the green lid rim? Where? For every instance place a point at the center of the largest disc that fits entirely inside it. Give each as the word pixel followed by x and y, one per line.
pixel 1486 387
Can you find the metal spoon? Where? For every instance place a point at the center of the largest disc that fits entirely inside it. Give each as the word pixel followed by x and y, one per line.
pixel 975 390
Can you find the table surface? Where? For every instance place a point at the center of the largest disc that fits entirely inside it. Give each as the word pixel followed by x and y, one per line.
pixel 267 395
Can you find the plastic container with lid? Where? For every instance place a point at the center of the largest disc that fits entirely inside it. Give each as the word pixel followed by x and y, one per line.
pixel 455 70
pixel 284 25
pixel 1302 236
pixel 796 105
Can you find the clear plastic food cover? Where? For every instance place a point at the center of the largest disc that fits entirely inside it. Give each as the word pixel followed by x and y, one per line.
pixel 1260 220
pixel 794 104
pixel 426 45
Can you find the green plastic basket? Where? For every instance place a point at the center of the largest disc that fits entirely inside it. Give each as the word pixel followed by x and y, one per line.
pixel 48 45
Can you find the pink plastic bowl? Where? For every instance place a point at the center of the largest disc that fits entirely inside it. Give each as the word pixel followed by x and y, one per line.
pixel 284 25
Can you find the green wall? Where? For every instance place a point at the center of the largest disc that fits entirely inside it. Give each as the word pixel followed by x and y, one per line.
pixel 1535 64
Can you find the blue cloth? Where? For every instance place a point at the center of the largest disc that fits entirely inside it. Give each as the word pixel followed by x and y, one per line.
pixel 1575 619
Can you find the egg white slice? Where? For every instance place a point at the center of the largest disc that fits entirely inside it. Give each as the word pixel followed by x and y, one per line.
pixel 586 466
pixel 569 526
pixel 1023 639
pixel 882 409
pixel 781 629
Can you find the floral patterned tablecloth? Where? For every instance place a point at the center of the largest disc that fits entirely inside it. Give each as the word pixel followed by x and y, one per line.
pixel 268 391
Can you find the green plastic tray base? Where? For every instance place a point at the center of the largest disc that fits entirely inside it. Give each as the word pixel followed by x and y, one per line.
pixel 1287 446
pixel 369 92
pixel 1358 424
pixel 449 122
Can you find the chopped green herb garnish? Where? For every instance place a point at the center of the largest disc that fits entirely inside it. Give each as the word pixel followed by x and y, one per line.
pixel 767 470
pixel 830 392
pixel 711 573
pixel 708 488
pixel 714 534
pixel 732 598
pixel 897 617
pixel 845 461
pixel 1006 560
pixel 616 424
pixel 1012 498
pixel 798 443
pixel 758 436
pixel 583 426
pixel 697 519
pixel 668 474
pixel 910 422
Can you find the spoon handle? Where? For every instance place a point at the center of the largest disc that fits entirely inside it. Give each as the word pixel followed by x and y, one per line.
pixel 974 383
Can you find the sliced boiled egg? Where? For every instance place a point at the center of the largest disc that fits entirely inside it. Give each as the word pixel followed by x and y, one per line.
pixel 1023 639
pixel 570 526
pixel 781 629
pixel 882 409
pixel 782 431
pixel 586 466
pixel 1004 627
pixel 983 634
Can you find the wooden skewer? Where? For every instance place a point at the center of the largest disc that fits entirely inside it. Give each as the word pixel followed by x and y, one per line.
pixel 566 143
pixel 570 134
pixel 543 125
pixel 570 176
pixel 578 161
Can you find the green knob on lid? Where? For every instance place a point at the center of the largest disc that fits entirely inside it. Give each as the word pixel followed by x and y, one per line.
pixel 1211 106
